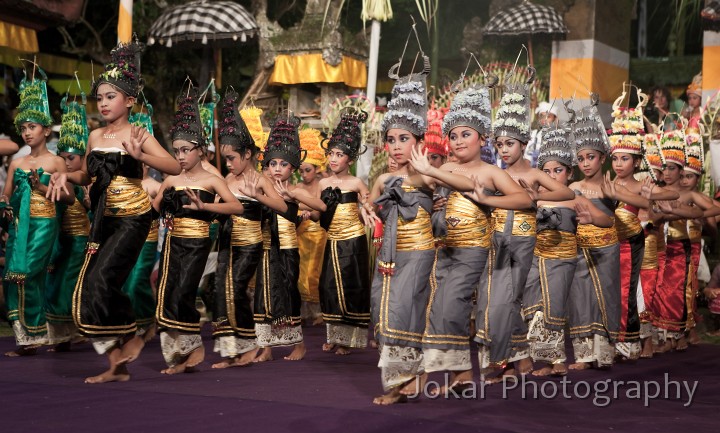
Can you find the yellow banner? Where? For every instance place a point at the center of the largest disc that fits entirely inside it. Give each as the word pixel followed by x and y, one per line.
pixel 311 68
pixel 18 38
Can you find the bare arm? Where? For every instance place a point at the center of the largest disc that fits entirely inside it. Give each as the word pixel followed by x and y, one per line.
pixel 146 149
pixel 553 190
pixel 229 205
pixel 432 175
pixel 8 147
pixel 514 196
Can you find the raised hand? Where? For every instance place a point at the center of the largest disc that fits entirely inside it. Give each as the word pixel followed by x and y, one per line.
pixel 138 136
pixel 195 202
pixel 582 212
pixel 647 188
pixel 478 194
pixel 608 187
pixel 531 190
pixel 368 216
pixel 282 189
pixel 419 161
pixel 56 186
pixel 248 186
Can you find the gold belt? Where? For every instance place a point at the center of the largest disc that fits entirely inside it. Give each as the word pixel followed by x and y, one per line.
pixel 694 231
pixel 467 225
pixel 627 224
pixel 126 197
pixel 590 236
pixel 75 221
pixel 677 230
pixel 40 207
pixel 345 223
pixel 245 232
pixel 312 226
pixel 524 222
pixel 556 244
pixel 286 233
pixel 153 233
pixel 190 228
pixel 650 258
pixel 415 235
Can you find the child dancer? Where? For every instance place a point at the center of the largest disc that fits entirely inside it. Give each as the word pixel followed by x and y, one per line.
pixel 187 202
pixel 34 225
pixel 503 340
pixel 69 253
pixel 121 214
pixel 400 288
pixel 553 269
pixel 345 277
pixel 241 242
pixel 462 255
pixel 311 236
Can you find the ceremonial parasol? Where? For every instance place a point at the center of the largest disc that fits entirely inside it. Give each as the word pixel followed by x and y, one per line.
pixel 526 19
pixel 205 24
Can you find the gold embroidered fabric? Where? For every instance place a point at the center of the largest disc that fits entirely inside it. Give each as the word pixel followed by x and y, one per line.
pixel 345 223
pixel 467 225
pixel 677 230
pixel 694 231
pixel 556 244
pixel 627 224
pixel 75 221
pixel 650 258
pixel 153 233
pixel 126 197
pixel 524 223
pixel 415 235
pixel 190 228
pixel 590 236
pixel 312 226
pixel 245 232
pixel 40 207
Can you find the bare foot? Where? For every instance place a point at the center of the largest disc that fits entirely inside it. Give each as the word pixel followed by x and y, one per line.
pixel 693 337
pixel 682 344
pixel 318 321
pixel 131 349
pixel 459 382
pixel 61 347
pixel 666 346
pixel 23 351
pixel 414 386
pixel 524 366
pixel 342 350
pixel 246 358
pixel 150 333
pixel 328 347
pixel 545 371
pixel 559 369
pixel 647 349
pixel 298 353
pixel 374 344
pixel 119 373
pixel 391 397
pixel 507 373
pixel 225 363
pixel 265 355
pixel 580 366
pixel 180 368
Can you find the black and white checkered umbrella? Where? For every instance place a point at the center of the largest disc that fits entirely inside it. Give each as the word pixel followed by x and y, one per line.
pixel 203 22
pixel 526 19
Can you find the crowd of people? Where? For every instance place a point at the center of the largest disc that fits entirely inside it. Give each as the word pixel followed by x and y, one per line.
pixel 508 256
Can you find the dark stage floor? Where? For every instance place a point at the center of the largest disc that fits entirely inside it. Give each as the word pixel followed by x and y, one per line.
pixel 326 392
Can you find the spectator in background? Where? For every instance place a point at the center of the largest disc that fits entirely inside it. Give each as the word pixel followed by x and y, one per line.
pixel 661 104
pixel 545 115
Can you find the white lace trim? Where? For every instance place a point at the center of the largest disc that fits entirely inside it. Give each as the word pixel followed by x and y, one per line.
pixel 230 346
pixel 103 344
pixel 446 360
pixel 347 335
pixel 546 345
pixel 647 331
pixel 176 346
pixel 630 350
pixel 277 335
pixel 399 364
pixel 23 339
pixel 596 348
pixel 664 334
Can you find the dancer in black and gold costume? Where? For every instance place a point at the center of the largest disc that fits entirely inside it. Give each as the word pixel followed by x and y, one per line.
pixel 241 242
pixel 187 203
pixel 121 214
